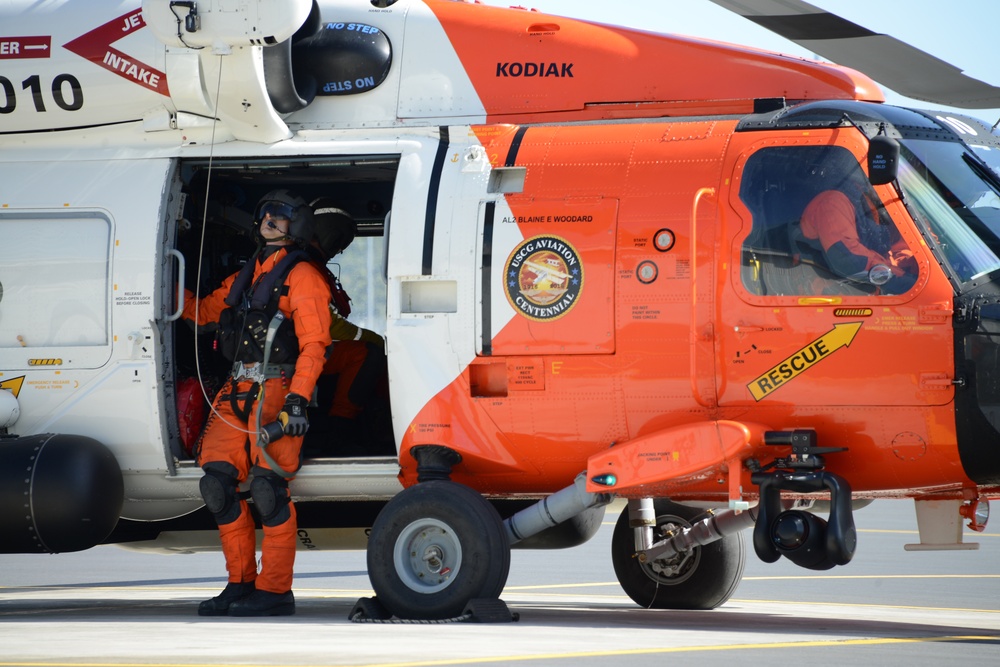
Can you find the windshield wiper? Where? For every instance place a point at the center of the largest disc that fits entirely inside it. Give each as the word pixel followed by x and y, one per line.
pixel 983 171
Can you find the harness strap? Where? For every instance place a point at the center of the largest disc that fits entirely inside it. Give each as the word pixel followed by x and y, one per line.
pixel 243 281
pixel 243 413
pixel 272 328
pixel 269 286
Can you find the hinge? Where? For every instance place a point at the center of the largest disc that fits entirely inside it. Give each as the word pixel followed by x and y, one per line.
pixel 937 313
pixel 937 381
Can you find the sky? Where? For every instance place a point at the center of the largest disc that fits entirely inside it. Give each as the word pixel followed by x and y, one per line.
pixel 961 32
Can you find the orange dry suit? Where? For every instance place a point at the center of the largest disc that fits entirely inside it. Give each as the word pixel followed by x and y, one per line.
pixel 229 446
pixel 851 243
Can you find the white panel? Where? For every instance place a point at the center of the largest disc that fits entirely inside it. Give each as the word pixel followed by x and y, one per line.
pixel 88 363
pixel 433 81
pixel 221 23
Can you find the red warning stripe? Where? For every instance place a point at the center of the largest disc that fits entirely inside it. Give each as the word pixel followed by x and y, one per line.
pixel 95 46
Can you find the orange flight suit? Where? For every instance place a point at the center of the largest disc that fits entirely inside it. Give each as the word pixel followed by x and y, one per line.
pixel 830 219
pixel 229 440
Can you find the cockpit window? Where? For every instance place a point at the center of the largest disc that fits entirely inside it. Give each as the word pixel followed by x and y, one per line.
pixel 818 227
pixel 948 191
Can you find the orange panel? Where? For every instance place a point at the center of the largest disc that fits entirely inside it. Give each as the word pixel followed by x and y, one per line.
pixel 664 344
pixel 556 279
pixel 657 463
pixel 537 64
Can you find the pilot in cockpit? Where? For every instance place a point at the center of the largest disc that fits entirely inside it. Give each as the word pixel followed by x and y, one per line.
pixel 844 225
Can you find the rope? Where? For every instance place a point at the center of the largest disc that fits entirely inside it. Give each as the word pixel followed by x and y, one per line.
pixel 361 618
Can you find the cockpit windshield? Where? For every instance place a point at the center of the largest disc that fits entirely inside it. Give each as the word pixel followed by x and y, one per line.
pixel 959 202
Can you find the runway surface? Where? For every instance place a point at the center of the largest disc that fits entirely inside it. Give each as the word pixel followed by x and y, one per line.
pixel 108 606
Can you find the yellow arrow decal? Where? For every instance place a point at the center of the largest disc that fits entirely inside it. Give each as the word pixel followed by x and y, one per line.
pixel 840 336
pixel 13 385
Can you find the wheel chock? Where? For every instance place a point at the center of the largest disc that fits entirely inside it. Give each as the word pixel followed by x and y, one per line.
pixel 488 610
pixel 368 609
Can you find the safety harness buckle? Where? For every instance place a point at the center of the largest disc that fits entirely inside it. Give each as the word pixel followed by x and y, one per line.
pixel 251 372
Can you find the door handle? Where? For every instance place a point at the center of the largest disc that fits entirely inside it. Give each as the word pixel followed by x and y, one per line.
pixel 176 254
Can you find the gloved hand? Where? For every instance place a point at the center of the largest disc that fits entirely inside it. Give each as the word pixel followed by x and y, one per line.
pixel 293 415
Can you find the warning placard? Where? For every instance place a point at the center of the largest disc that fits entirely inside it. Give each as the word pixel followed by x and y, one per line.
pixel 95 46
pixel 38 46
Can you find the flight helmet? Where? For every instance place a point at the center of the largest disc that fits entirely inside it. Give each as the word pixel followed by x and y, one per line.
pixel 283 203
pixel 335 228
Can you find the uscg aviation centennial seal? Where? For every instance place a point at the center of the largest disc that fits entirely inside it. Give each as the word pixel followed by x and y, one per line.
pixel 544 277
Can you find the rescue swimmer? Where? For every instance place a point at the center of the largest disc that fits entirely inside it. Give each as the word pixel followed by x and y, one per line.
pixel 274 324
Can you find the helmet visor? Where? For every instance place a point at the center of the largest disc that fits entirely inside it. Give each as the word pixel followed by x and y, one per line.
pixel 276 209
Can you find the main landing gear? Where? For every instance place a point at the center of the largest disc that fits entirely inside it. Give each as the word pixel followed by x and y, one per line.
pixel 438 547
pixel 700 577
pixel 434 547
pixel 672 556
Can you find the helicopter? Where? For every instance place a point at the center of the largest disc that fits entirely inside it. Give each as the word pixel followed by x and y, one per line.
pixel 595 281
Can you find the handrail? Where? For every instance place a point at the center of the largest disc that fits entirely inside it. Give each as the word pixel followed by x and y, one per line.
pixel 180 285
pixel 695 392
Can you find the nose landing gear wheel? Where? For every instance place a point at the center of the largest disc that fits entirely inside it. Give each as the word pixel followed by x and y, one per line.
pixel 434 547
pixel 703 578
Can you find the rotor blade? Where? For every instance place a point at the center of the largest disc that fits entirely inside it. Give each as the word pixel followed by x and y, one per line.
pixel 905 69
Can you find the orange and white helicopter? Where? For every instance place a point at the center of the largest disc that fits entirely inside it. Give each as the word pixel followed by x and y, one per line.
pixel 592 277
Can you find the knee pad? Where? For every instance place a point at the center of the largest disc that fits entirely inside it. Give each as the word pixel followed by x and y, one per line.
pixel 270 496
pixel 219 491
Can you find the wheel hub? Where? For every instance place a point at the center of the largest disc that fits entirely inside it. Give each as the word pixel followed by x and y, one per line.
pixel 434 559
pixel 427 555
pixel 676 568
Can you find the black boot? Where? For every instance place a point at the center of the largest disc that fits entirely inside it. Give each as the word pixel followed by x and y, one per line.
pixel 220 604
pixel 264 603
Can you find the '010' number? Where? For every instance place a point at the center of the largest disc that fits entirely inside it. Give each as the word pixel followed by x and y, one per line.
pixel 66 93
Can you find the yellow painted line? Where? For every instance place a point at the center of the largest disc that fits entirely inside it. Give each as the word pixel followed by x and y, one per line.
pixel 746 601
pixel 864 605
pixel 972 537
pixel 888 531
pixel 804 577
pixel 312 592
pixel 825 643
pixel 811 577
pixel 543 587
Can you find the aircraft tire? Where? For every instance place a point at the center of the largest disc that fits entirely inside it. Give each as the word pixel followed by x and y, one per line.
pixel 703 579
pixel 433 548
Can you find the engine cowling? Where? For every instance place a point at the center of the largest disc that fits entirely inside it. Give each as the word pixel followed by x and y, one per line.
pixel 58 493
